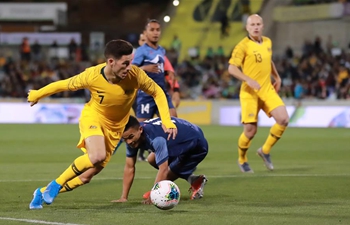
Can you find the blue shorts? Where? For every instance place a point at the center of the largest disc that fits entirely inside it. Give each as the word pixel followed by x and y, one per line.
pixel 146 106
pixel 184 165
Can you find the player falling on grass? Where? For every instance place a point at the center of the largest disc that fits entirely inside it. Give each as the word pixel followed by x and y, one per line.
pixel 254 55
pixel 113 86
pixel 175 158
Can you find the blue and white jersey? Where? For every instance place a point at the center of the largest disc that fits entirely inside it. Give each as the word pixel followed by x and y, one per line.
pixel 189 137
pixel 145 55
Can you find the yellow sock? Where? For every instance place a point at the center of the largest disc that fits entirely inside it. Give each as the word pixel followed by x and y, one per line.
pixel 243 145
pixel 80 165
pixel 42 189
pixel 69 186
pixel 276 132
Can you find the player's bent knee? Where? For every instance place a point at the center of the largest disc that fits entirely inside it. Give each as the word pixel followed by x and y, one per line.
pixel 250 134
pixel 250 130
pixel 97 156
pixel 151 160
pixel 87 176
pixel 283 121
pixel 96 148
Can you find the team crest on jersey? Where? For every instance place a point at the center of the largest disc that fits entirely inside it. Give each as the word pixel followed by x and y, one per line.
pixel 93 127
pixel 269 49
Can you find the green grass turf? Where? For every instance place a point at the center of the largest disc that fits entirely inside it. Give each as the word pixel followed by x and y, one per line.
pixel 310 184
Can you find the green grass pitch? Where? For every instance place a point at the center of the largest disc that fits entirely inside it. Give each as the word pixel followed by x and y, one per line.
pixel 310 184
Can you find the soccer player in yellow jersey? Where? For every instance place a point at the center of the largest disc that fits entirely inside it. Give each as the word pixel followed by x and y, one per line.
pixel 113 86
pixel 254 56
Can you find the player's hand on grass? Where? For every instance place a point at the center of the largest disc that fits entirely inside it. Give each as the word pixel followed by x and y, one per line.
pixel 253 84
pixel 31 97
pixel 277 84
pixel 152 68
pixel 120 200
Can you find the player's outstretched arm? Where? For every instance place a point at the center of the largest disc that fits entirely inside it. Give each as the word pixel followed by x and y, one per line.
pixel 35 95
pixel 128 178
pixel 71 84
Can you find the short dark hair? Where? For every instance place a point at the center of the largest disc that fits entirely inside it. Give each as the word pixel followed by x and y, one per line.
pixel 118 48
pixel 151 21
pixel 132 123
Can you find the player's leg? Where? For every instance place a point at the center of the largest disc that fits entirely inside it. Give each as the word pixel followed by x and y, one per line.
pixel 185 165
pixel 112 137
pixel 96 153
pixel 76 182
pixel 250 109
pixel 151 159
pixel 185 171
pixel 274 107
pixel 93 140
pixel 84 178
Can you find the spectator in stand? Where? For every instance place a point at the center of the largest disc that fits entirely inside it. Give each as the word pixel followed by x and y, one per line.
pixel 72 48
pixel 289 52
pixel 298 92
pixel 343 82
pixel 36 49
pixel 25 50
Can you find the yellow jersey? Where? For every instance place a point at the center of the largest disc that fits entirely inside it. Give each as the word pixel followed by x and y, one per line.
pixel 255 60
pixel 111 103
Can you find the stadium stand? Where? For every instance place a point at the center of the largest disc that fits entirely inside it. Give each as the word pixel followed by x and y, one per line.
pixel 319 70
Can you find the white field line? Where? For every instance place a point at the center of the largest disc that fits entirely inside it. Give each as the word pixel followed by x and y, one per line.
pixel 36 221
pixel 208 176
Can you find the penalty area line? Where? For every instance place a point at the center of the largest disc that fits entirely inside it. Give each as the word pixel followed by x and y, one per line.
pixel 36 221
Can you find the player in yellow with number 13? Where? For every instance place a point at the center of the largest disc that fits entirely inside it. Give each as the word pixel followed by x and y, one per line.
pixel 254 55
pixel 113 86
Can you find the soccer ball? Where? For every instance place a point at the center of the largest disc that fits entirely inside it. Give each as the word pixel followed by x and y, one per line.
pixel 165 194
